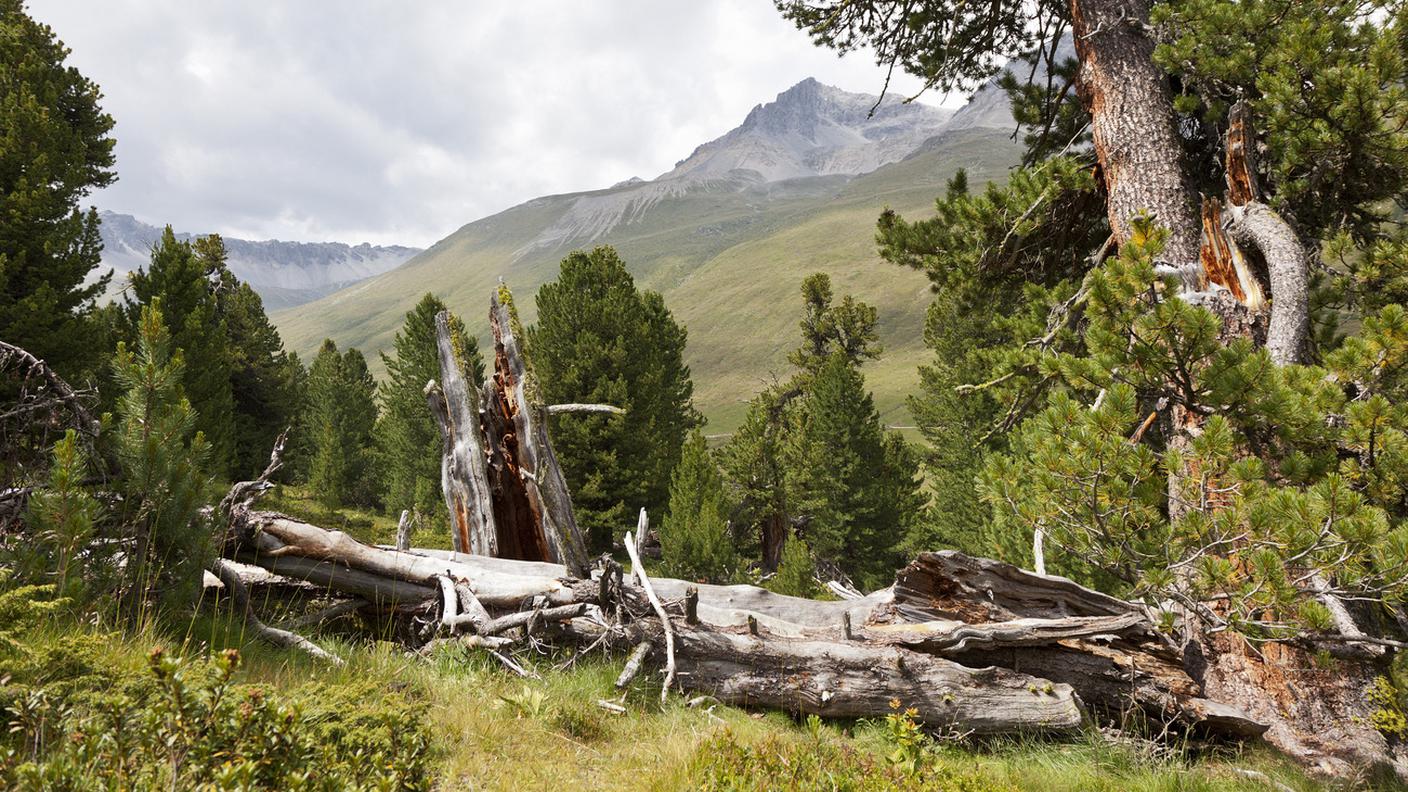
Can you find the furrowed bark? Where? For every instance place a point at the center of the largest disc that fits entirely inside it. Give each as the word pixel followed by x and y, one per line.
pixel 463 474
pixel 1132 124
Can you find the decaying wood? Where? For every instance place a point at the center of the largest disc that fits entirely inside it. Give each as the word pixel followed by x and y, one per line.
pixel 1259 227
pixel 849 680
pixel 1222 260
pixel 240 596
pixel 574 407
pixel 633 663
pixel 1256 226
pixel 638 571
pixel 463 473
pixel 972 643
pixel 403 530
pixel 532 502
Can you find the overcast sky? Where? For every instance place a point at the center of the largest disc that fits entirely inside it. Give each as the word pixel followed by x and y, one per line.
pixel 398 122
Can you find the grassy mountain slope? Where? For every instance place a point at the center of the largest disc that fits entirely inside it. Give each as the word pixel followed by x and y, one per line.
pixel 728 261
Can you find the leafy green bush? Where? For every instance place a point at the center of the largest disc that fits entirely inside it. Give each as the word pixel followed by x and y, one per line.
pixel 192 727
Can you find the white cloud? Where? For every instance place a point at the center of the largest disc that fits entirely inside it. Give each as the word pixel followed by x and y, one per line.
pixel 399 122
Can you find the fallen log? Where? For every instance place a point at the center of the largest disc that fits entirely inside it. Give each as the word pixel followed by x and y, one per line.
pixel 852 680
pixel 982 633
pixel 273 635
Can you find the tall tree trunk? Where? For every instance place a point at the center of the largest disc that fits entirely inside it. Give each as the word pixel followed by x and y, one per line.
pixel 1132 122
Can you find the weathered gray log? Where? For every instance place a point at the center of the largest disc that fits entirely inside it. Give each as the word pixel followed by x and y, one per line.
pixel 633 663
pixel 521 618
pixel 577 407
pixel 309 543
pixel 529 454
pixel 273 635
pixel 851 680
pixel 1097 645
pixel 379 590
pixel 1133 667
pixel 463 473
pixel 950 585
pixel 403 530
pixel 946 637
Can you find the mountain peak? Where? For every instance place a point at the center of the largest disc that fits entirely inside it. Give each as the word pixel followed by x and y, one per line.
pixel 814 129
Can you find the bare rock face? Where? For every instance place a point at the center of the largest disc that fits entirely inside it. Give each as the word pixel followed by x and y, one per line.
pixel 816 130
pixel 283 273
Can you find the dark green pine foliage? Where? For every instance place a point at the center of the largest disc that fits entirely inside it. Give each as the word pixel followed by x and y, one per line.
pixel 847 327
pixel 796 575
pixel 54 149
pixel 265 381
pixel 694 536
pixel 408 440
pixel 1304 462
pixel 183 279
pixel 852 487
pixel 755 470
pixel 341 414
pixel 161 455
pixel 599 339
pixel 812 457
pixel 995 267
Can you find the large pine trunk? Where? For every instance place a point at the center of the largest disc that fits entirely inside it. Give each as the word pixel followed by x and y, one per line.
pixel 1317 713
pixel 1133 125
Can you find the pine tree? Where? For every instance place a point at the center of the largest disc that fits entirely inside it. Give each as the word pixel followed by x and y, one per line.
pixel 848 327
pixel 161 455
pixel 796 573
pixel 340 417
pixel 265 380
pixel 598 339
pixel 407 439
pixel 55 148
pixel 62 517
pixel 694 537
pixel 853 490
pixel 756 472
pixel 762 459
pixel 182 279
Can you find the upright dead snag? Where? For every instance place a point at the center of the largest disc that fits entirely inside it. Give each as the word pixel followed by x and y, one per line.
pixel 531 501
pixel 463 472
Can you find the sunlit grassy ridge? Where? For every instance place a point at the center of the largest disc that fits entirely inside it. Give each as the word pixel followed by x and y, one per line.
pixel 728 263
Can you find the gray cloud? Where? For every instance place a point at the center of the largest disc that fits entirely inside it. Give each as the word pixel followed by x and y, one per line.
pixel 398 122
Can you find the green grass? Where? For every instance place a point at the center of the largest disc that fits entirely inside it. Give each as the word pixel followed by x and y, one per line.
pixel 492 730
pixel 736 288
pixel 364 525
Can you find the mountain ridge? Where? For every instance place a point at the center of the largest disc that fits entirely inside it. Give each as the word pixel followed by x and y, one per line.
pixel 285 274
pixel 726 246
